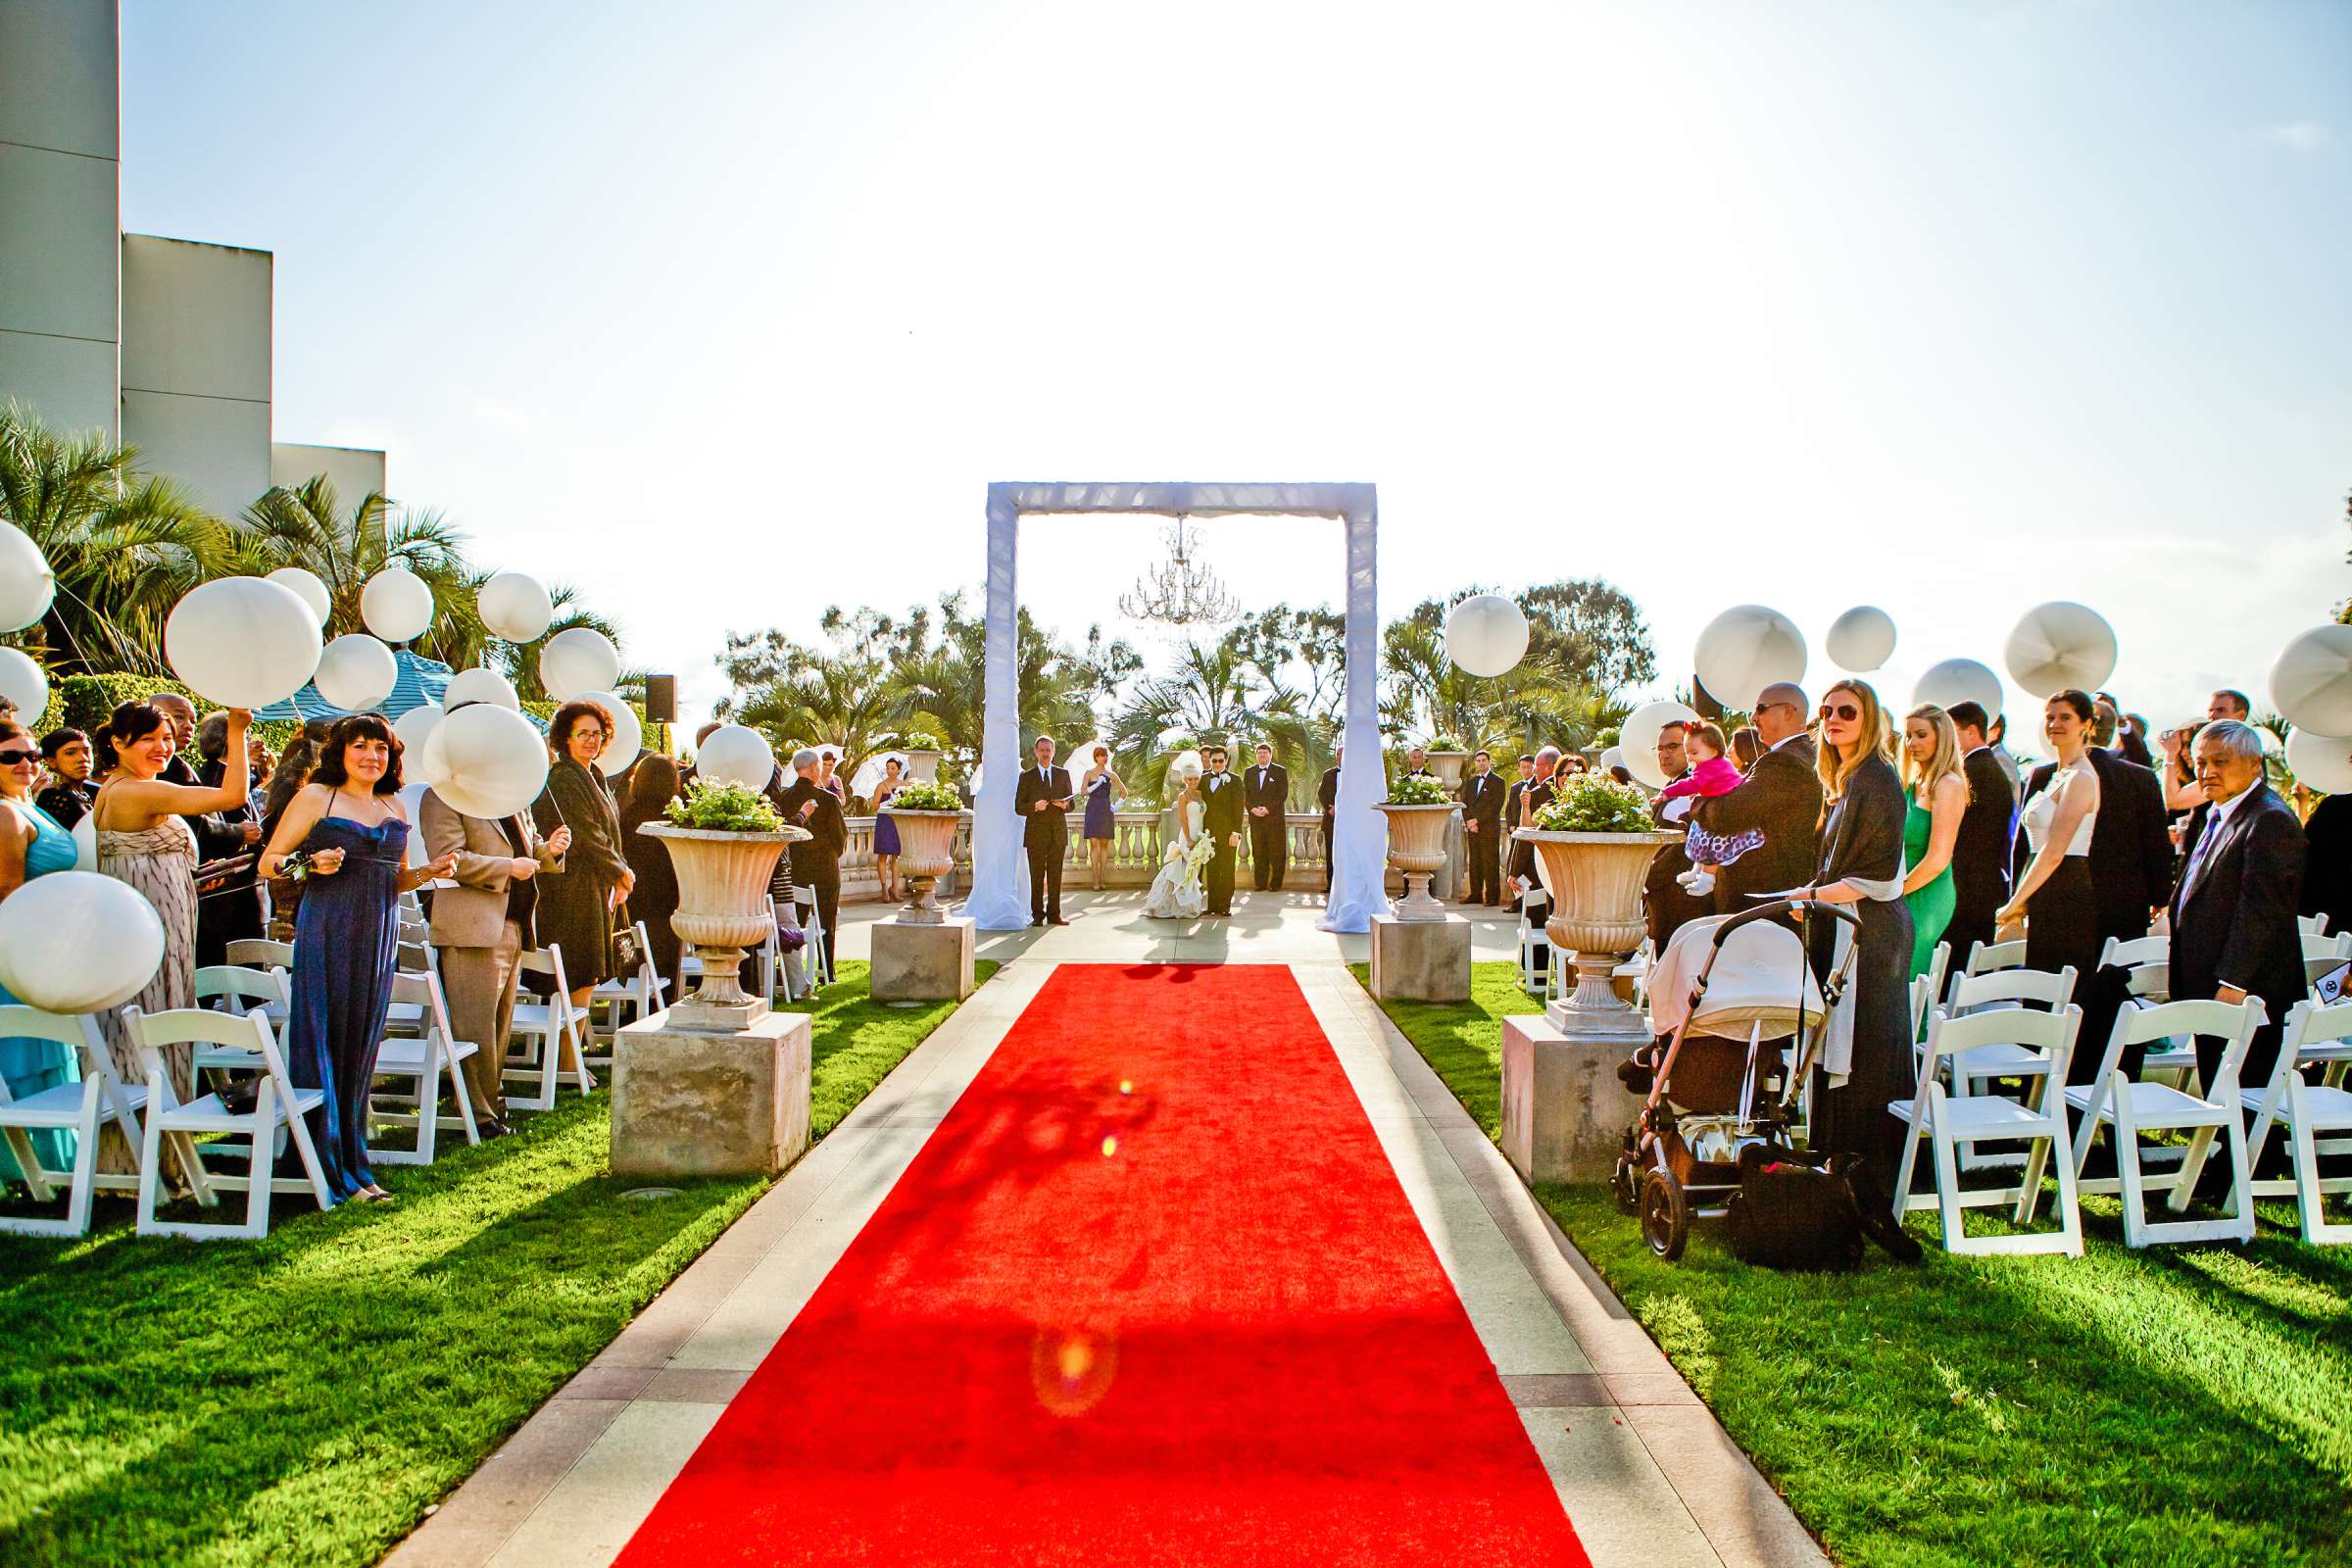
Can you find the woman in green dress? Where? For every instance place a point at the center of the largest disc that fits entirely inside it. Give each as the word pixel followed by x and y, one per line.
pixel 31 844
pixel 1939 796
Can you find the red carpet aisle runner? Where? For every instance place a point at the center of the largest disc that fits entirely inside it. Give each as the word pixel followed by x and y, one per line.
pixel 1150 1293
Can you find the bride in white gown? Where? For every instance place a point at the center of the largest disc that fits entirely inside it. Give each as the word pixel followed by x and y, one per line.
pixel 1177 893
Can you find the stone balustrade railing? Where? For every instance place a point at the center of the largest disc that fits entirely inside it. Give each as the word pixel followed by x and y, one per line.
pixel 1136 844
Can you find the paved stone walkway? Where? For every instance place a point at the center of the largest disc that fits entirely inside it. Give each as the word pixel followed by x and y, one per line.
pixel 1648 1476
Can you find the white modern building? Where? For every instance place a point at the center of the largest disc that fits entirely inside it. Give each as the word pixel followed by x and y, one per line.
pixel 164 343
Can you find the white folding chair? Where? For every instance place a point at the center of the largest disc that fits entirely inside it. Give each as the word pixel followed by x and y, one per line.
pixel 258 953
pixel 627 998
pixel 1951 1122
pixel 421 1054
pixel 1538 977
pixel 2335 949
pixel 81 1108
pixel 2316 1037
pixel 2120 954
pixel 277 1105
pixel 2314 925
pixel 1985 958
pixel 1971 1070
pixel 237 990
pixel 535 1049
pixel 2125 1110
pixel 1939 965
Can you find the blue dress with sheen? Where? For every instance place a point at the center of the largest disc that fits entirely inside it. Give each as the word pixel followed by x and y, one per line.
pixel 32 1065
pixel 346 945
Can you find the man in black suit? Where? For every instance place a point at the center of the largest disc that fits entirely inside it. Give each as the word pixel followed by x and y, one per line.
pixel 2234 915
pixel 1981 857
pixel 1268 795
pixel 1327 797
pixel 1779 799
pixel 1043 801
pixel 816 860
pixel 1482 799
pixel 1221 818
pixel 1416 763
pixel 1510 822
pixel 2131 874
pixel 1668 905
pixel 1532 795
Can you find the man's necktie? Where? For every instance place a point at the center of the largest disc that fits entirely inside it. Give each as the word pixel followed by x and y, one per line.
pixel 2196 856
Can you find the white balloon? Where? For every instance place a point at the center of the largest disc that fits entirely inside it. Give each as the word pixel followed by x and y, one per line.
pixel 479 685
pixel 1747 649
pixel 27 584
pixel 515 606
pixel 1639 738
pixel 485 760
pixel 736 753
pixel 581 659
pixel 2060 645
pixel 305 586
pixel 2323 762
pixel 628 735
pixel 2311 684
pixel 356 672
pixel 396 605
pixel 242 642
pixel 412 729
pixel 1861 639
pixel 79 942
pixel 1485 634
pixel 23 682
pixel 1614 757
pixel 85 843
pixel 1959 680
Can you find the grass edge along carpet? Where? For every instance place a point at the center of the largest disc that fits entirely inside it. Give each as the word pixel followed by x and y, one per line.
pixel 1149 1292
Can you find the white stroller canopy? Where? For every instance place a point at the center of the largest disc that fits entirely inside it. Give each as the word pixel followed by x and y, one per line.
pixel 1759 978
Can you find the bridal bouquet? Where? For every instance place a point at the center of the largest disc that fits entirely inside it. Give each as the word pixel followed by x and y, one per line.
pixel 1203 851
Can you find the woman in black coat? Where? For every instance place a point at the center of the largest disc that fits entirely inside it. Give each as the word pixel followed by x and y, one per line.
pixel 575 909
pixel 653 785
pixel 1861 863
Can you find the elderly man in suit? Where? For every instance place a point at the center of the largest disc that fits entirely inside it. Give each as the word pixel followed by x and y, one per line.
pixel 1482 797
pixel 1043 801
pixel 2234 934
pixel 481 927
pixel 1980 857
pixel 1779 797
pixel 1267 797
pixel 816 859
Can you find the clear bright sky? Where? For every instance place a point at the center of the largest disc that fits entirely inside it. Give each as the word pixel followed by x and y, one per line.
pixel 727 310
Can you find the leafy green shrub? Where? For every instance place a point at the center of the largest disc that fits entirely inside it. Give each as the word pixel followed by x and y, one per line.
pixel 1592 803
pixel 924 797
pixel 920 740
pixel 1447 743
pixel 1419 789
pixel 724 809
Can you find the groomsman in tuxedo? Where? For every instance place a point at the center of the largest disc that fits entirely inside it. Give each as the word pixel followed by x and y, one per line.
pixel 1482 799
pixel 1221 818
pixel 1267 794
pixel 1416 763
pixel 1327 797
pixel 1043 801
pixel 1981 879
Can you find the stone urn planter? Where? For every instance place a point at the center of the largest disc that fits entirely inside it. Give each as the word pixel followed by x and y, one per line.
pixel 921 763
pixel 1594 880
pixel 1417 847
pixel 723 889
pixel 1449 766
pixel 926 853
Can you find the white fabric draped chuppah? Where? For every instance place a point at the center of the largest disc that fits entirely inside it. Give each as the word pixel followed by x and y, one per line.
pixel 999 899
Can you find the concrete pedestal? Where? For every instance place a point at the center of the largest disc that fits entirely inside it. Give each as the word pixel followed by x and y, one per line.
pixel 1421 960
pixel 709 1104
pixel 1565 1113
pixel 922 962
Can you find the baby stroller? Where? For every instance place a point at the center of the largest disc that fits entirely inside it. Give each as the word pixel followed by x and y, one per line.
pixel 1724 990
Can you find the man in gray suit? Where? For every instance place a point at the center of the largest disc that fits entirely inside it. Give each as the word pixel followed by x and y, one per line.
pixel 481 927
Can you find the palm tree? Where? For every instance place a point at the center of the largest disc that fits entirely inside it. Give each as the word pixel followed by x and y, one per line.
pixel 123 548
pixel 305 525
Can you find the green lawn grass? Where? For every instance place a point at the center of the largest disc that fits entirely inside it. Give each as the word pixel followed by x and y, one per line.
pixel 2174 1406
pixel 304 1398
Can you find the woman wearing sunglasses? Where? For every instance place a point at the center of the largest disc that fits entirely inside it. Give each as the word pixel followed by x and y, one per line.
pixel 31 844
pixel 1861 863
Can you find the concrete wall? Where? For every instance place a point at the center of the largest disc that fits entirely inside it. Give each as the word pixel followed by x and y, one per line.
pixel 354 471
pixel 60 280
pixel 196 366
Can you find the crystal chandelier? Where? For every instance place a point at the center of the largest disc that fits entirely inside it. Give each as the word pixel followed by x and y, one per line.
pixel 1180 592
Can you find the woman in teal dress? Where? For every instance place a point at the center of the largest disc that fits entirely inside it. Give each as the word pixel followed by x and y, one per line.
pixel 1938 796
pixel 31 844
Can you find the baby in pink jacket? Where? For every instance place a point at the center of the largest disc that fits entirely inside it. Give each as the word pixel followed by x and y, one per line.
pixel 1711 773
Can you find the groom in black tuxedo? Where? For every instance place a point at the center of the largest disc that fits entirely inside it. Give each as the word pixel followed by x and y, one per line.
pixel 1221 818
pixel 1043 801
pixel 1482 800
pixel 1267 792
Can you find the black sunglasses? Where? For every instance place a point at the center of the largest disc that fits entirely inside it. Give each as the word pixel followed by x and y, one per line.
pixel 1844 710
pixel 21 754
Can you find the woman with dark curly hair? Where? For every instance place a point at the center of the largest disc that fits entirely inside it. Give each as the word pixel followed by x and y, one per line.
pixel 350 827
pixel 575 909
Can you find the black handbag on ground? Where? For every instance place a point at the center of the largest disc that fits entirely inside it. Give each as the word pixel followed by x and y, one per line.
pixel 1791 1214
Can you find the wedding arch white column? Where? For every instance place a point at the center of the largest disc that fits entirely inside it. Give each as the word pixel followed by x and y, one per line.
pixel 999 895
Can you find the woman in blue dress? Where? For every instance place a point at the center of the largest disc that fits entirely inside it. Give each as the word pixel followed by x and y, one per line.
pixel 350 823
pixel 31 844
pixel 886 831
pixel 1100 825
